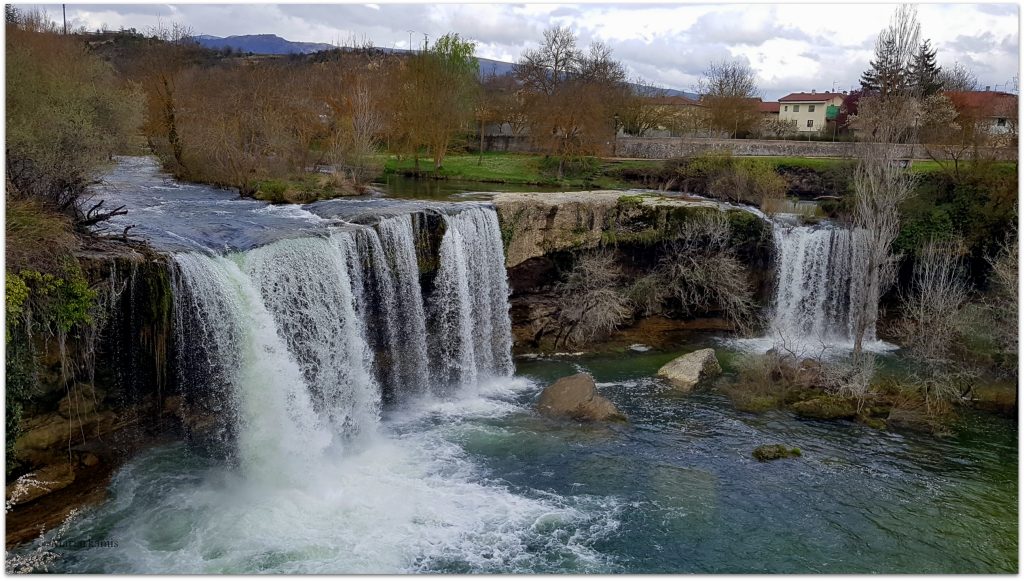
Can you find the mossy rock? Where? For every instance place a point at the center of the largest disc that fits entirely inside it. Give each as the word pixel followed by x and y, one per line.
pixel 769 452
pixel 871 422
pixel 752 402
pixel 826 407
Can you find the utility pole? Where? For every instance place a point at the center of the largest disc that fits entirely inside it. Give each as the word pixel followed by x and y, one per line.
pixel 426 42
pixel 410 39
pixel 64 9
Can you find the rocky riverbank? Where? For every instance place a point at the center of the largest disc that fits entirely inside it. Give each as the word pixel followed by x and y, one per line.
pixel 546 233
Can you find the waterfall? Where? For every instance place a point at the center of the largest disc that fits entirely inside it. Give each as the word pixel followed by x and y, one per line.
pixel 470 300
pixel 820 283
pixel 305 284
pixel 410 347
pixel 291 347
pixel 270 407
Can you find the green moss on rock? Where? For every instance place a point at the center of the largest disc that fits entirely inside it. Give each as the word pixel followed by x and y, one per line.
pixel 826 407
pixel 769 452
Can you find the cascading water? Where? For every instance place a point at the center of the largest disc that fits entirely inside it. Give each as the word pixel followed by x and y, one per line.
pixel 305 284
pixel 820 284
pixel 470 300
pixel 276 425
pixel 278 348
pixel 398 242
pixel 323 309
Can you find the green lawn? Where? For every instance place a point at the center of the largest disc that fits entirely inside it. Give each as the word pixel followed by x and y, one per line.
pixel 519 168
pixel 535 169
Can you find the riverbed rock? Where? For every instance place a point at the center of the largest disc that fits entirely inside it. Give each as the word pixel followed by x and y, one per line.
pixel 536 224
pixel 769 452
pixel 576 397
pixel 687 371
pixel 81 400
pixel 45 439
pixel 40 483
pixel 826 407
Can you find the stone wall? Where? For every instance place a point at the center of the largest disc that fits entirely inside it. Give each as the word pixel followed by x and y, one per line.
pixel 669 147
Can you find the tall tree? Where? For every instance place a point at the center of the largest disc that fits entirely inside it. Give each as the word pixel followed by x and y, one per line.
pixel 571 97
pixel 438 92
pixel 645 108
pixel 924 75
pixel 729 91
pixel 894 50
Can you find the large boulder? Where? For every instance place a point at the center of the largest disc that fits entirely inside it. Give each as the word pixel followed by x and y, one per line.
pixel 576 397
pixel 687 371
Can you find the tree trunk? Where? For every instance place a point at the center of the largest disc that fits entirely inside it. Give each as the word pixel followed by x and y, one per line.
pixel 480 160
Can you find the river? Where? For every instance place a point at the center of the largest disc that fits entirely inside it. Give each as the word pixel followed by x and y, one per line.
pixel 454 472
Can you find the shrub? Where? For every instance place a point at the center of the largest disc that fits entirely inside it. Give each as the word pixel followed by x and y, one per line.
pixel 66 114
pixel 701 271
pixel 593 302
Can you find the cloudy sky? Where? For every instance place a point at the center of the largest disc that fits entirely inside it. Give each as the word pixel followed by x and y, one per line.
pixel 793 47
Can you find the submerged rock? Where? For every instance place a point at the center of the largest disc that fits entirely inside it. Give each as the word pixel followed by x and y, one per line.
pixel 770 452
pixel 576 397
pixel 687 371
pixel 826 407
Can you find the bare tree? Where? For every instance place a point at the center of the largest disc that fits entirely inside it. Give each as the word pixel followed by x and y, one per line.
pixel 958 78
pixel 729 91
pixel 881 186
pixel 1005 279
pixel 881 182
pixel 570 96
pixel 593 302
pixel 895 49
pixel 932 320
pixel 701 271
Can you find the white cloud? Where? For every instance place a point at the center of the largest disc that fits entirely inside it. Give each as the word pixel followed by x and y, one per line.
pixel 792 46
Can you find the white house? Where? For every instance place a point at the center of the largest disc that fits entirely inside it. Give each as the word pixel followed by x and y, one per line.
pixel 808 109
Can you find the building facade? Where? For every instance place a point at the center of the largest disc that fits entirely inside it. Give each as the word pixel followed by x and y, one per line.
pixel 808 110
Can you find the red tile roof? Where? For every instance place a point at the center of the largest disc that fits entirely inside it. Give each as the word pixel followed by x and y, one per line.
pixel 768 106
pixel 812 97
pixel 993 103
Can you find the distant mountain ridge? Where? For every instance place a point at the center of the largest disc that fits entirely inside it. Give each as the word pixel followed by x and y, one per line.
pixel 261 44
pixel 273 44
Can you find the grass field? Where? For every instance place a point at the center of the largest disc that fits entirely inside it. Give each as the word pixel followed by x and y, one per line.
pixel 519 168
pixel 532 169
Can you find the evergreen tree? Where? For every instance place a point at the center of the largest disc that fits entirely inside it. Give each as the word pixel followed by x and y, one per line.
pixel 894 51
pixel 924 74
pixel 887 74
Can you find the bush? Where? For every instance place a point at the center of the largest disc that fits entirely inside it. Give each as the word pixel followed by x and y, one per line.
pixel 593 302
pixel 574 167
pixel 66 114
pixel 719 174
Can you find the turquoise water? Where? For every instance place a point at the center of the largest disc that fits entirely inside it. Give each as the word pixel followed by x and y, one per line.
pixel 483 484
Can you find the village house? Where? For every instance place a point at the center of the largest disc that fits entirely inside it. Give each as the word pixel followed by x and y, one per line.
pixel 994 112
pixel 808 110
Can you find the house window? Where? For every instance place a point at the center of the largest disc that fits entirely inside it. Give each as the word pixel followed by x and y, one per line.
pixel 810 122
pixel 810 108
pixel 787 107
pixel 796 108
pixel 1001 122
